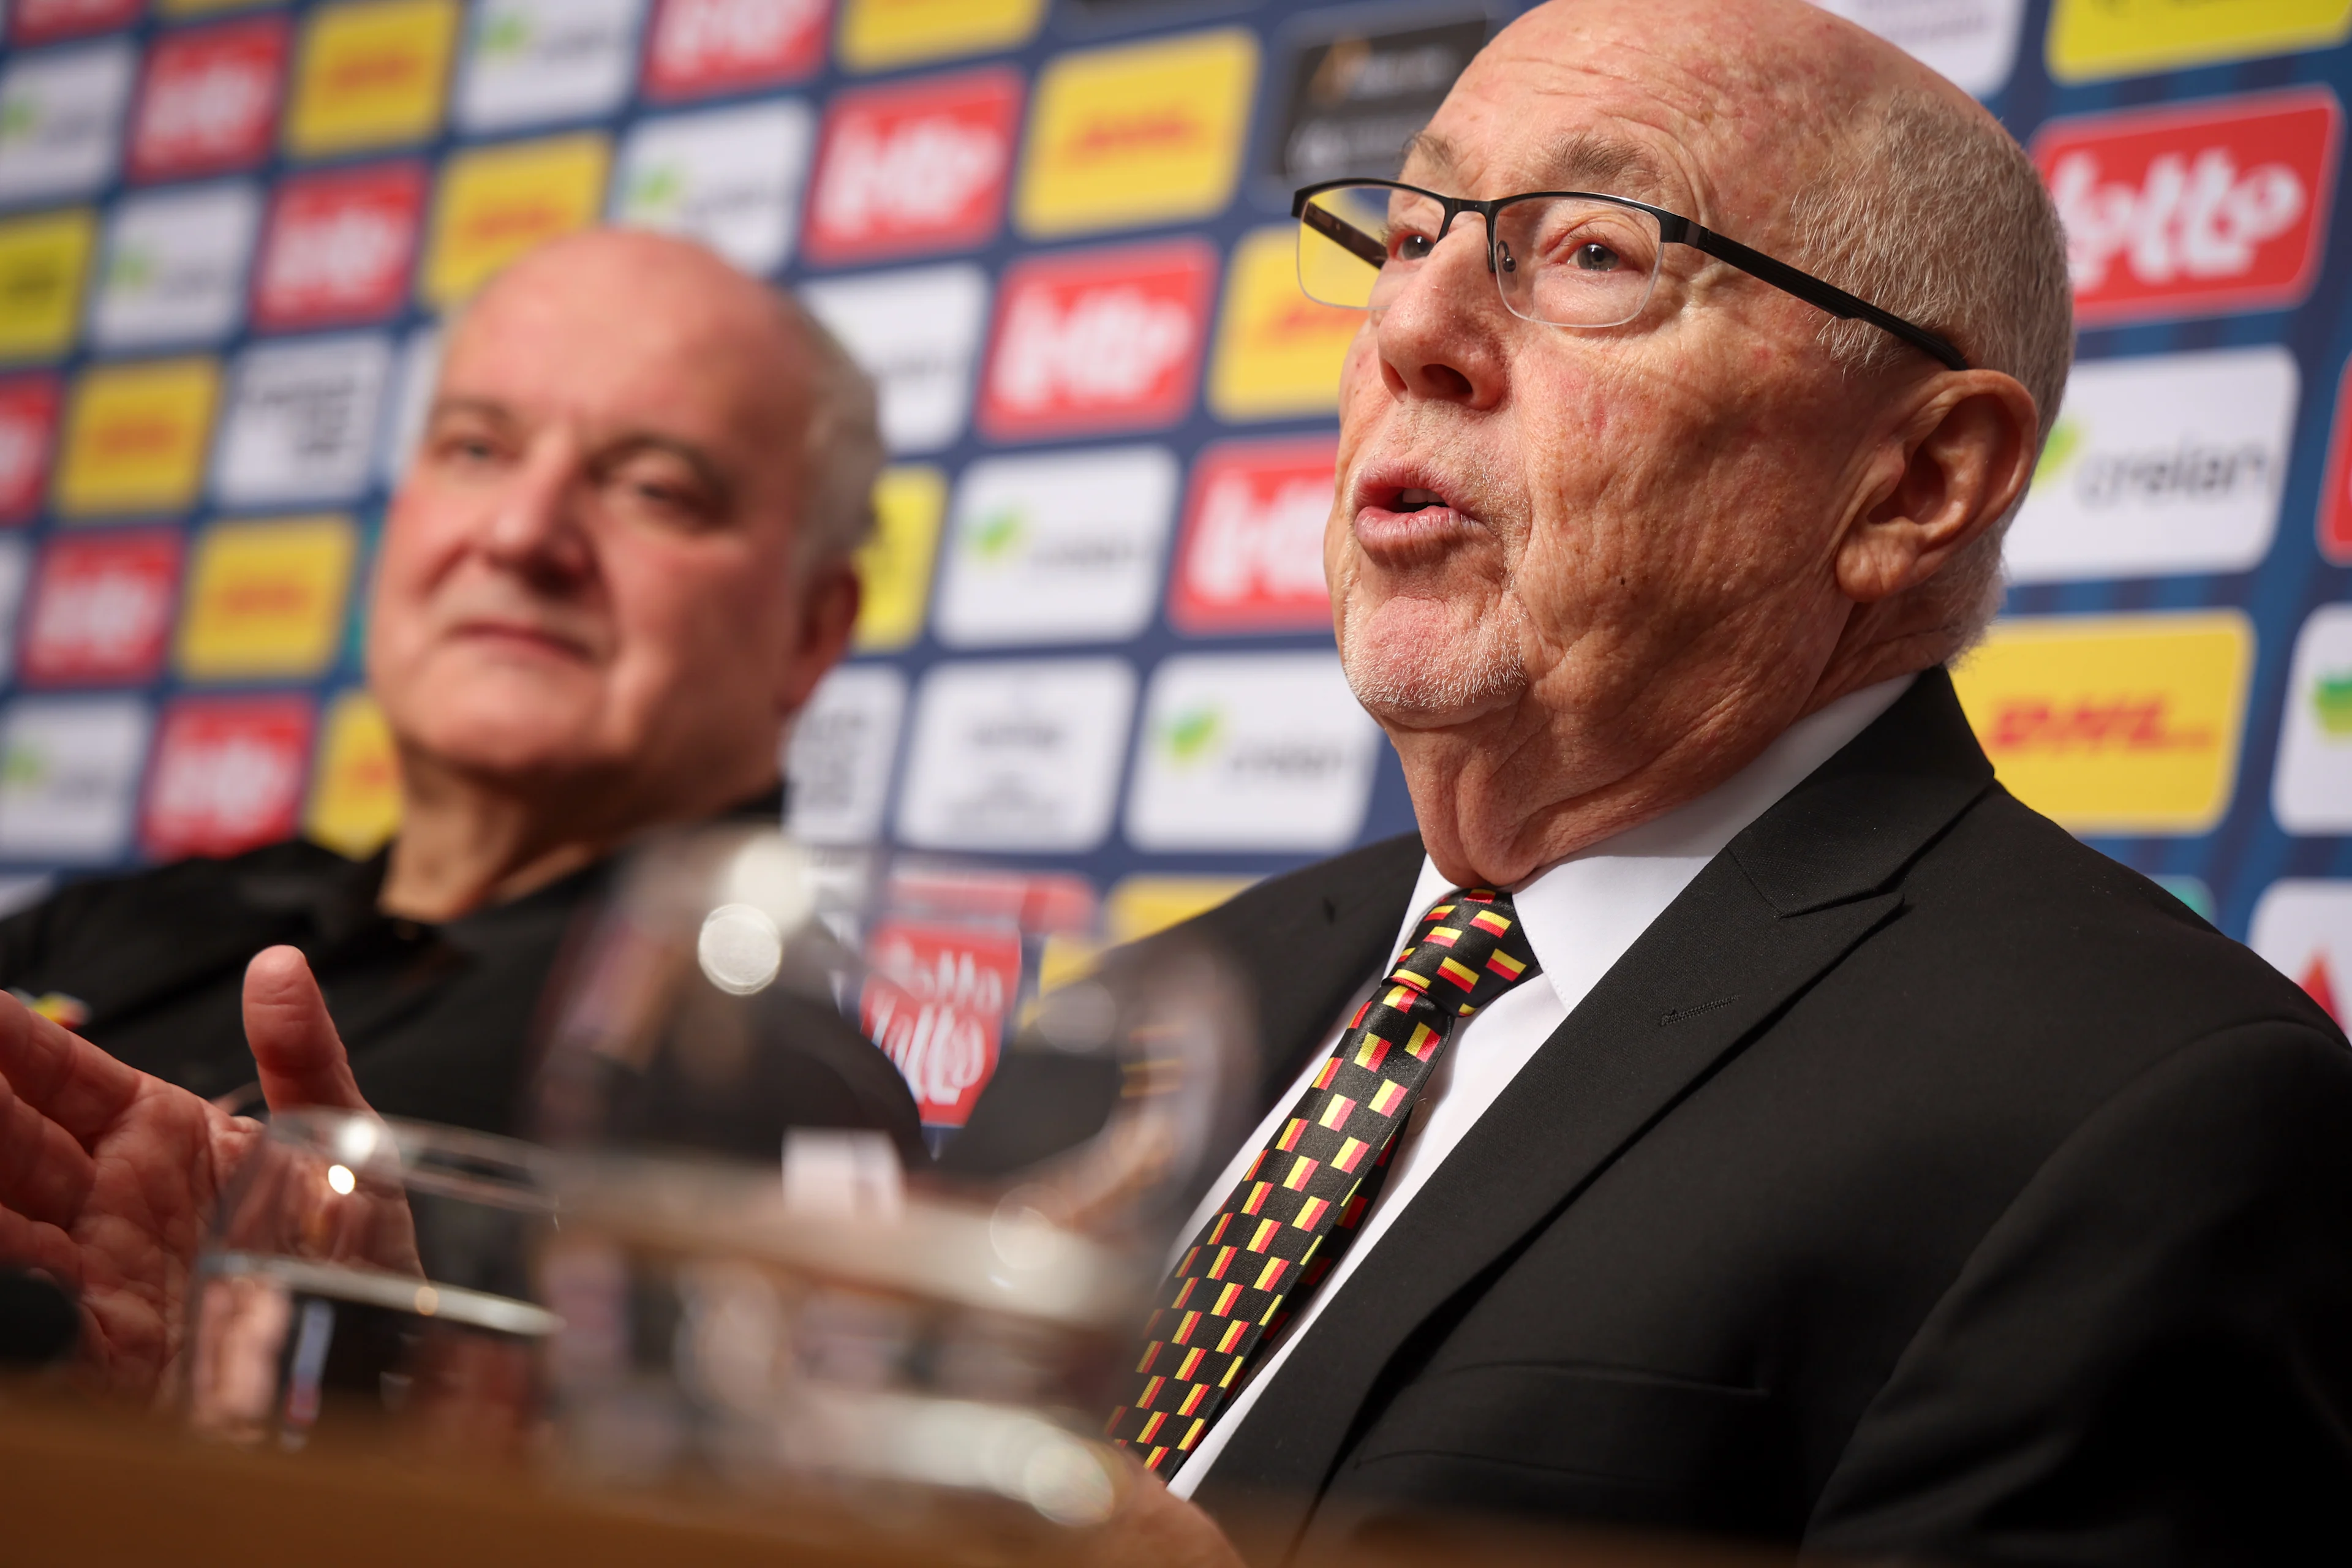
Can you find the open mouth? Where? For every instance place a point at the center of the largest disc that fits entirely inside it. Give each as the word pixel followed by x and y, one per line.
pixel 1401 514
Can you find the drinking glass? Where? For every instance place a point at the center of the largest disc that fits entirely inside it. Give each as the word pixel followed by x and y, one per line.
pixel 370 1282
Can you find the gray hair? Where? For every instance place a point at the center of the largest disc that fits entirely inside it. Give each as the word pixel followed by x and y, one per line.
pixel 1937 214
pixel 841 449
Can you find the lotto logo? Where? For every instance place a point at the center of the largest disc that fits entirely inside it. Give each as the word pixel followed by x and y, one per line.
pixel 227 774
pixel 918 166
pixel 339 247
pixel 371 75
pixel 28 427
pixel 1251 559
pixel 2199 210
pixel 1104 340
pixel 102 608
pixel 703 47
pixel 936 1003
pixel 42 21
pixel 210 102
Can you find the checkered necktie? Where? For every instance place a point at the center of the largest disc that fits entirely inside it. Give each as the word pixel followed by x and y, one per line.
pixel 1298 1206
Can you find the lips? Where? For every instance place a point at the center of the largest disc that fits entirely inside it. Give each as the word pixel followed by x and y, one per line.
pixel 1404 511
pixel 524 638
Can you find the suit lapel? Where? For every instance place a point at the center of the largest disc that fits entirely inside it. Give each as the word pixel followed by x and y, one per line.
pixel 1789 897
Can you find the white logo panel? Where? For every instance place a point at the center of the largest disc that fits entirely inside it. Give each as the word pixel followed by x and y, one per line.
pixel 1057 548
pixel 61 119
pixel 916 332
pixel 1016 755
pixel 529 61
pixel 729 177
pixel 1264 752
pixel 2160 464
pixel 69 777
pixel 2311 789
pixel 175 267
pixel 1971 42
pixel 302 421
pixel 842 748
pixel 2303 928
pixel 412 405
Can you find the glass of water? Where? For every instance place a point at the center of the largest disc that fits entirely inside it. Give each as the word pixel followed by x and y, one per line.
pixel 367 1283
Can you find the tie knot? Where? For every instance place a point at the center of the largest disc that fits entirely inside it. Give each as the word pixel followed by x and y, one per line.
pixel 1468 948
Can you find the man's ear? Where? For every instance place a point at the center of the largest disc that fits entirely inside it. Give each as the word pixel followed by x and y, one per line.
pixel 829 604
pixel 1961 461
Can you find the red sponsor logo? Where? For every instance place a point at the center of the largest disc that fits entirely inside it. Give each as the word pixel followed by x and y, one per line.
pixel 1109 340
pixel 916 166
pixel 210 101
pixel 227 774
pixel 102 608
pixel 339 247
pixel 38 21
pixel 2132 723
pixel 1250 557
pixel 935 999
pixel 29 428
pixel 703 47
pixel 2194 210
pixel 2336 492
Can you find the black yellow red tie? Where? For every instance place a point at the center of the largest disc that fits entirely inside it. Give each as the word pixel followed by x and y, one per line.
pixel 1255 1263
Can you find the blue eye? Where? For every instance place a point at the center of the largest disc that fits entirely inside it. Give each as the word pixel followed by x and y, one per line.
pixel 1594 257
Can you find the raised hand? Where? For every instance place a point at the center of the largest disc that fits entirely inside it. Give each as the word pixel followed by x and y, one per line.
pixel 109 1177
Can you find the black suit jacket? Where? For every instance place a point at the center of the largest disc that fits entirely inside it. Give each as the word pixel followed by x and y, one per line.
pixel 1921 1182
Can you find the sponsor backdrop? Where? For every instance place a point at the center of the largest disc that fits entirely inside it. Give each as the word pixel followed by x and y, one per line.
pixel 1095 647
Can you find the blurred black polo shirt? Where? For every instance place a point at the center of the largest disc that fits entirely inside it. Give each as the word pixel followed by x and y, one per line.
pixel 438 1020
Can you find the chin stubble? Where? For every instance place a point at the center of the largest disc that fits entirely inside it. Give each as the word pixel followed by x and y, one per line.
pixel 1433 680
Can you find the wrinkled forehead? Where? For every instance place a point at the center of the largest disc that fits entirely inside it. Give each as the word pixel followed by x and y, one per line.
pixel 1716 121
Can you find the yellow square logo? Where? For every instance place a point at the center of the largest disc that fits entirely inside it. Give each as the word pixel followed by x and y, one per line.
pixel 371 75
pixel 355 783
pixel 2090 40
pixel 876 34
pixel 2115 723
pixel 265 599
pixel 1278 352
pixel 43 261
pixel 500 202
pixel 135 437
pixel 894 569
pixel 1137 134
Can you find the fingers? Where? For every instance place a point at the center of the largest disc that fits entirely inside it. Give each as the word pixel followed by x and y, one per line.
pixel 60 1075
pixel 29 1244
pixel 45 1174
pixel 295 1046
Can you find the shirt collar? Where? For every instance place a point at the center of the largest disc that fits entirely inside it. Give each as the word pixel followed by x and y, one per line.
pixel 1582 912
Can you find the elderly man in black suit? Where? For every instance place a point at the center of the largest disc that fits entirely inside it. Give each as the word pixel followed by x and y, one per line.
pixel 1732 1112
pixel 1835 1153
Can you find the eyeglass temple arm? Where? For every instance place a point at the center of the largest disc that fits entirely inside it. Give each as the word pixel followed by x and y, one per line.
pixel 1339 232
pixel 1845 307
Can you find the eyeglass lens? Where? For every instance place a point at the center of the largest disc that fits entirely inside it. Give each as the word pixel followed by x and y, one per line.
pixel 1566 260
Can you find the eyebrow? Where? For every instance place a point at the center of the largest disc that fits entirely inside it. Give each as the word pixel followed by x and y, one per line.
pixel 1579 161
pixel 707 471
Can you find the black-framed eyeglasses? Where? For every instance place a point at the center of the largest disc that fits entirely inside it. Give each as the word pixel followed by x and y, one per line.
pixel 1570 259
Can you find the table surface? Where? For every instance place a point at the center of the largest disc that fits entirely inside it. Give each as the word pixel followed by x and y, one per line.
pixel 87 1486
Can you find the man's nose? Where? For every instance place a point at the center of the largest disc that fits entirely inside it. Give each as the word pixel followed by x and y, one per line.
pixel 540 525
pixel 1441 335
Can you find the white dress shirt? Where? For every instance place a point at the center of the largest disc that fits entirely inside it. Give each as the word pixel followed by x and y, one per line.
pixel 1580 914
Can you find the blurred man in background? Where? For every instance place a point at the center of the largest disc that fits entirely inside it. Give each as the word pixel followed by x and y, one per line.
pixel 615 568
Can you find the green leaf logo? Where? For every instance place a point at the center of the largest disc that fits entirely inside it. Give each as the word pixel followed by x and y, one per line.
pixel 506 33
pixel 995 535
pixel 2331 699
pixel 2065 444
pixel 658 189
pixel 1190 735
